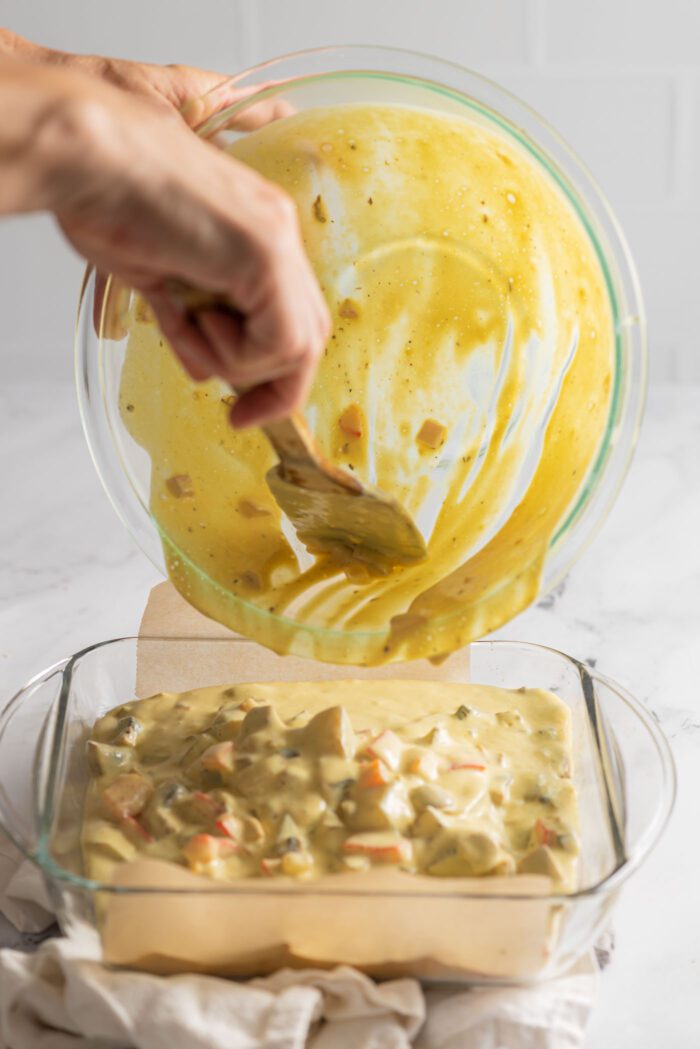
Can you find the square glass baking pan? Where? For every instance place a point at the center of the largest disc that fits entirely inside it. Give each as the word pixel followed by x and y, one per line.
pixel 161 918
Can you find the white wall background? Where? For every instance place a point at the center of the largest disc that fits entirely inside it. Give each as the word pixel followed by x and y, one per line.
pixel 620 79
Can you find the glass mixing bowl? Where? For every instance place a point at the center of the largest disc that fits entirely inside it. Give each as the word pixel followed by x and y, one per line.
pixel 488 931
pixel 336 76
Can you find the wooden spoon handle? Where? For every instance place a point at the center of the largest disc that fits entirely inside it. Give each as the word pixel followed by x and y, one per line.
pixel 292 439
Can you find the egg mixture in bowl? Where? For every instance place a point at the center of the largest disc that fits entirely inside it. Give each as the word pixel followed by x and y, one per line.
pixel 486 366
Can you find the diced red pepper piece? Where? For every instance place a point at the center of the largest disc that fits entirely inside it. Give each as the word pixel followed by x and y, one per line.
pixel 468 765
pixel 544 834
pixel 219 757
pixel 135 831
pixel 208 806
pixel 126 795
pixel 270 866
pixel 381 846
pixel 373 774
pixel 230 827
pixel 203 849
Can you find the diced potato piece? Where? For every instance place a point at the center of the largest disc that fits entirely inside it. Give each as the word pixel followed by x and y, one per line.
pixel 432 433
pixel 128 731
pixel 457 853
pixel 260 719
pixel 337 771
pixel 357 862
pixel 387 747
pixel 247 508
pixel 433 795
pixel 219 757
pixel 227 724
pixel 351 421
pixel 431 821
pixel 288 835
pixel 296 863
pixel 294 781
pixel 105 760
pixel 570 842
pixel 540 861
pixel 330 732
pixel 469 784
pixel 505 866
pixel 380 847
pixel 253 830
pixel 197 746
pixel 438 736
pixel 480 851
pixel 423 763
pixel 160 815
pixel 384 808
pixel 180 485
pixel 126 795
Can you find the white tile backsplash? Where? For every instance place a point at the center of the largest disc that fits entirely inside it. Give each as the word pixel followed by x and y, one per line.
pixel 619 79
pixel 620 33
pixel 621 126
pixel 471 32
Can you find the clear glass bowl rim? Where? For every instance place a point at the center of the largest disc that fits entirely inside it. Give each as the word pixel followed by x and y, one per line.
pixel 41 856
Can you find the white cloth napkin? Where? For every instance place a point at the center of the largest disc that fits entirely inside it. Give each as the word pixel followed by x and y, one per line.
pixel 57 998
pixel 54 999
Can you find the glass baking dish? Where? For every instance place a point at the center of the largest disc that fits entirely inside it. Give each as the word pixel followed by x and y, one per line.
pixel 162 918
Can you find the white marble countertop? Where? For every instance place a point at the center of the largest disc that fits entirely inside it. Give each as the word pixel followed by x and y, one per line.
pixel 70 575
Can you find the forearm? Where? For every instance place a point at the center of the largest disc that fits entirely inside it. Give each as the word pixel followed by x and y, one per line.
pixel 44 95
pixel 14 46
pixel 27 101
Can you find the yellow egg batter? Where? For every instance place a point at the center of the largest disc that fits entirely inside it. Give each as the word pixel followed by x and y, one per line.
pixel 305 779
pixel 468 374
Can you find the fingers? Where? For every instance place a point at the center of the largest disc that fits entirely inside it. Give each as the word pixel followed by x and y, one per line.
pixel 277 377
pixel 214 343
pixel 191 346
pixel 273 400
pixel 206 94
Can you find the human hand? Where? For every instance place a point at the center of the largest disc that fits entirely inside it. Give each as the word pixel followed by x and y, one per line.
pixel 143 198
